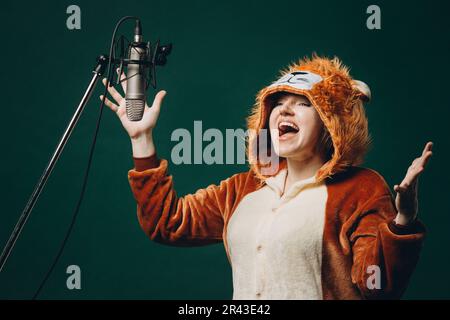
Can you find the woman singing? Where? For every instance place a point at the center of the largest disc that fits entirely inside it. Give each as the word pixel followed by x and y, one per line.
pixel 313 226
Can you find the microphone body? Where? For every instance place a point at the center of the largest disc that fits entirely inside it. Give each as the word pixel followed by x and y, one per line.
pixel 135 95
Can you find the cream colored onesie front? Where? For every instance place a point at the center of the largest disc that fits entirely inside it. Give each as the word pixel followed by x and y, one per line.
pixel 275 241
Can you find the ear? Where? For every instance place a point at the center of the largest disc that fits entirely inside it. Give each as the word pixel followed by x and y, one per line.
pixel 362 89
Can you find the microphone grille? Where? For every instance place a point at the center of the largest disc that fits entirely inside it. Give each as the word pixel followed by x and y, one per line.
pixel 135 109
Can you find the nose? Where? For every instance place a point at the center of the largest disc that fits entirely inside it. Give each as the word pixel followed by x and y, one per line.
pixel 286 109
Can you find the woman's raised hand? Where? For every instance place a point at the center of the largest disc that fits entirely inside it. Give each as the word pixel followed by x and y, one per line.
pixel 140 132
pixel 406 200
pixel 135 129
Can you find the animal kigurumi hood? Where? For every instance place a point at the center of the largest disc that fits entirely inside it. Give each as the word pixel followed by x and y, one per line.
pixel 338 99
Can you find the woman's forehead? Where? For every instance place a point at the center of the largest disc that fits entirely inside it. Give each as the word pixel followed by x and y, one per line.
pixel 287 95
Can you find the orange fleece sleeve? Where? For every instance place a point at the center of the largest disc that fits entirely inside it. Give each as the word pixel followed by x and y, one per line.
pixel 378 242
pixel 195 219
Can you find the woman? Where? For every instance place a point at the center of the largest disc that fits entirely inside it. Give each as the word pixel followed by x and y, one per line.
pixel 315 226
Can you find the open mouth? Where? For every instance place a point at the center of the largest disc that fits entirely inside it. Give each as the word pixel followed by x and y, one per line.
pixel 287 130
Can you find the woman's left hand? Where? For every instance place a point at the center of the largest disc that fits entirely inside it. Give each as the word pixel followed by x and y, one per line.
pixel 406 199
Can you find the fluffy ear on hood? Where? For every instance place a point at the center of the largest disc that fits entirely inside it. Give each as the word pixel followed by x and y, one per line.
pixel 363 90
pixel 339 100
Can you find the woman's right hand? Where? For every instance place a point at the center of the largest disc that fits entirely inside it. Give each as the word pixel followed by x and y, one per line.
pixel 140 132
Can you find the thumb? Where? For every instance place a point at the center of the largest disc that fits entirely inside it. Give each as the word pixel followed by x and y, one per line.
pixel 399 189
pixel 157 102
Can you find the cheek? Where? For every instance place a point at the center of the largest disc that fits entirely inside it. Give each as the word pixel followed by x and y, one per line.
pixel 312 124
pixel 317 125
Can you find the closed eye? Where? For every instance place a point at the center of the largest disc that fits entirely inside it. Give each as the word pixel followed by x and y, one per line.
pixel 306 104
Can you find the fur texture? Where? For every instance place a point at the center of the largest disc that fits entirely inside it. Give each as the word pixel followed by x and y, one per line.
pixel 338 100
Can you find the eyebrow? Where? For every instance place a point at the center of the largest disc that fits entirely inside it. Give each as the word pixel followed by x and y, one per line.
pixel 302 99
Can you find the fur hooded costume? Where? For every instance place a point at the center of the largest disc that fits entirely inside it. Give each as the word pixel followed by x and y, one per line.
pixel 337 227
pixel 338 100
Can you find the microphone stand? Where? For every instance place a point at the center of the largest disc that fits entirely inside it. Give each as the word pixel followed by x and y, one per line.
pixel 98 71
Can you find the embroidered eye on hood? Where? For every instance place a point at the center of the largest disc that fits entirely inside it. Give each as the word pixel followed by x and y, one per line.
pixel 338 99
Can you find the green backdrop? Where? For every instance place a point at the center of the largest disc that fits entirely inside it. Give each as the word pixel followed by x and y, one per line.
pixel 224 52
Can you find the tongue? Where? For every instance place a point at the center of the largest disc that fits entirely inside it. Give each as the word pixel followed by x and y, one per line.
pixel 287 129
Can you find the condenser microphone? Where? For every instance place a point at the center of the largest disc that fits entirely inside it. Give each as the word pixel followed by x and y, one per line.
pixel 135 95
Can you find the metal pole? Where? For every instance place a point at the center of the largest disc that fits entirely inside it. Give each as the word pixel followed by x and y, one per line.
pixel 102 62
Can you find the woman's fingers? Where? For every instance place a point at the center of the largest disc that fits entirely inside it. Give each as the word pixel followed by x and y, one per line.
pixel 411 177
pixel 426 158
pixel 418 165
pixel 110 105
pixel 406 187
pixel 426 154
pixel 157 102
pixel 427 148
pixel 406 183
pixel 406 200
pixel 399 189
pixel 113 92
pixel 123 82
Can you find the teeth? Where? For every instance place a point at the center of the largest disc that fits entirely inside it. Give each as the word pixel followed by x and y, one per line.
pixel 286 123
